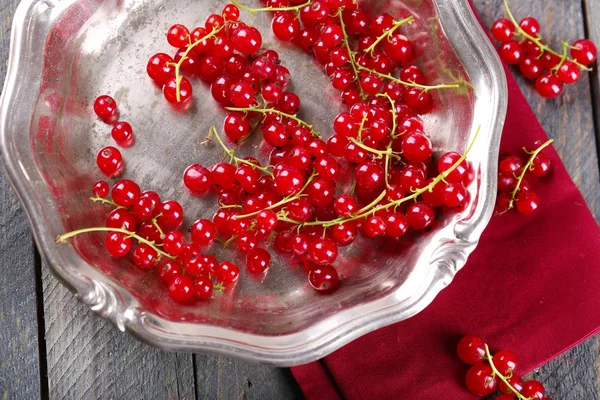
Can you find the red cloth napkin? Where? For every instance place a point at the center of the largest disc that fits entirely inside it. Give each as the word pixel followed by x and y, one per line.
pixel 532 286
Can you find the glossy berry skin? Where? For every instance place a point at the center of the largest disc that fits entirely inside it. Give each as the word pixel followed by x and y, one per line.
pixel 323 251
pixel 416 147
pixel 300 244
pixel 568 73
pixel 369 176
pixel 505 362
pixel 511 52
pixel 540 165
pixel 122 133
pixel 110 161
pixel 246 39
pixel 236 126
pixel 258 261
pixel 181 289
pixel 246 241
pixel 343 234
pixel 147 206
pixel 144 256
pixel 227 272
pixel 171 215
pixel 105 108
pixel 121 218
pixel 373 227
pixel 288 180
pixel 511 165
pixel 530 25
pixel 169 271
pixel 345 205
pixel 285 26
pixel 584 51
pixel 327 167
pixel 420 215
pixel 471 349
pixel 503 30
pixel 174 243
pixel 203 287
pixel 197 179
pixel 417 98
pixel 447 161
pixel 126 193
pixel 548 85
pixel 396 225
pixel 160 69
pixel 177 36
pixel 531 67
pixel 515 381
pixel 289 103
pixel 271 92
pixel 100 189
pixel 242 94
pixel 323 278
pixel 203 232
pixel 453 194
pixel 118 244
pixel 230 12
pixel 527 202
pixel 398 48
pixel 481 380
pixel 266 220
pixel 533 390
pixel 185 91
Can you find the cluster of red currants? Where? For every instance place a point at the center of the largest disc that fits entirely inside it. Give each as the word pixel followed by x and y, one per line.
pixel 522 45
pixel 514 189
pixel 492 372
pixel 154 224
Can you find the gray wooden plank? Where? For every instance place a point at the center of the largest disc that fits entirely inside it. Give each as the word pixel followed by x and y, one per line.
pixel 89 358
pixel 570 121
pixel 592 16
pixel 19 350
pixel 224 378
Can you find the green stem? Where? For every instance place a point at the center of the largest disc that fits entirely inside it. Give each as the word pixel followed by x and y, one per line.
pixel 380 153
pixel 105 201
pixel 252 10
pixel 68 235
pixel 231 153
pixel 409 84
pixel 157 226
pixel 392 111
pixel 525 168
pixel 351 54
pixel 362 125
pixel 504 379
pixel 274 111
pixel 387 33
pixel 537 40
pixel 183 58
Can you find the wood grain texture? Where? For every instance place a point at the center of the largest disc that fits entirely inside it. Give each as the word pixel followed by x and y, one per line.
pixel 224 378
pixel 592 25
pixel 19 351
pixel 89 358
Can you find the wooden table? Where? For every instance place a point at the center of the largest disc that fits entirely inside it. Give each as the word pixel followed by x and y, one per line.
pixel 53 346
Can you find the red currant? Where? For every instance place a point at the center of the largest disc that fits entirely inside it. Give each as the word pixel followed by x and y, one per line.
pixel 125 193
pixel 174 243
pixel 258 260
pixel 531 67
pixel 230 13
pixel 169 271
pixel 144 256
pixel 203 287
pixel 503 30
pixel 471 349
pixel 505 362
pixel 527 202
pixel 548 85
pixel 530 25
pixel 147 206
pixel 481 380
pixel 171 215
pixel 447 161
pixel 246 39
pixel 121 218
pixel 323 278
pixel 170 90
pixel 203 232
pixel 584 51
pixel 533 390
pixel 227 272
pixel 178 36
pixel 540 166
pixel 511 52
pixel 323 251
pixel 568 72
pixel 420 215
pixel 181 289
pixel 122 134
pixel 118 244
pixel 105 108
pixel 197 179
pixel 100 189
pixel 160 68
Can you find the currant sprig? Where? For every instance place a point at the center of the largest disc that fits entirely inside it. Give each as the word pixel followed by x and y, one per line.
pixel 388 33
pixel 351 53
pixel 425 88
pixel 265 111
pixel 538 40
pixel 63 238
pixel 96 199
pixel 253 10
pixel 527 166
pixel 184 56
pixel 503 378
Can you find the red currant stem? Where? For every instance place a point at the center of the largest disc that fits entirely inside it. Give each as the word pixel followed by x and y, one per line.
pixel 223 206
pixel 105 201
pixel 503 378
pixel 564 57
pixel 388 33
pixel 387 164
pixel 362 125
pixel 380 153
pixel 283 201
pixel 274 111
pixel 158 228
pixel 228 241
pixel 231 153
pixel 409 84
pixel 537 40
pixel 525 168
pixel 352 187
pixel 263 9
pixel 372 207
pixel 351 53
pixel 392 111
pixel 63 238
pixel 184 57
pixel 219 287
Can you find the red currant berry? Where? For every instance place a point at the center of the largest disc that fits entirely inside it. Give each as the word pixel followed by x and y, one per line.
pixel 373 227
pixel 531 48
pixel 420 215
pixel 398 48
pixel 396 225
pixel 214 21
pixel 550 60
pixel 447 161
pixel 417 98
pixel 246 39
pixel 540 166
pixel 299 209
pixel 584 51
pixel 343 233
pixel 285 26
pixel 181 289
pixel 150 232
pixel 323 278
pixel 503 202
pixel 471 349
pixel 481 380
pixel 288 180
pixel 505 362
pixel 118 244
pixel 568 73
pixel 223 175
pixel 381 24
pixel 242 94
pixel 320 192
pixel 327 167
pixel 503 30
pixel 416 147
pixel 357 21
pixel 454 194
pixel 511 52
pixel 203 232
pixel 527 202
pixel 323 251
pixel 125 193
pixel 171 215
pixel 100 189
pixel 144 256
pixel 511 165
pixel 160 68
pixel 332 35
pixel 258 261
pixel 178 36
pixel 412 73
pixel 299 157
pixel 516 382
pixel 210 68
pixel 197 179
pixel 203 287
pixel 170 90
pixel 266 220
pixel 230 13
pixel 121 218
pixel 300 244
pixel 147 206
pixel 548 85
pixel 236 126
pixel 369 175
pixel 275 134
pixel 122 134
pixel 530 25
pixel 289 103
pixel 345 205
pixel 169 271
pixel 227 272
pixel 272 93
pixel 531 67
pixel 533 390
pixel 105 108
pixel 174 243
